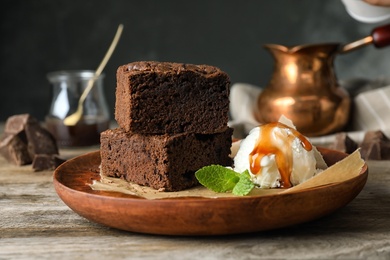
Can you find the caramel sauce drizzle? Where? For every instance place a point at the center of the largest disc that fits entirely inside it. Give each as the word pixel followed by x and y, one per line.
pixel 283 155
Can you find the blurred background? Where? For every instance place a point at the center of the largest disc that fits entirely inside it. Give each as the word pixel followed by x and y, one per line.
pixel 40 36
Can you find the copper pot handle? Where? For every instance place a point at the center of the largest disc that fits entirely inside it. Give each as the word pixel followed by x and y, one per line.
pixel 380 37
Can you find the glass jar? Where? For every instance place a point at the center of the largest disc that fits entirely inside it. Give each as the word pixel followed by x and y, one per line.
pixel 67 87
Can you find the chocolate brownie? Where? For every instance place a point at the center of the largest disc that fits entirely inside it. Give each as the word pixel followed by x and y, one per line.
pixel 162 97
pixel 163 162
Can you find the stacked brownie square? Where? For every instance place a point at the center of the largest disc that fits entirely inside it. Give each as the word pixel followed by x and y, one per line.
pixel 172 121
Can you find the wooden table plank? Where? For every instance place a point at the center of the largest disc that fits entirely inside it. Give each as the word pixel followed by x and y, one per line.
pixel 36 224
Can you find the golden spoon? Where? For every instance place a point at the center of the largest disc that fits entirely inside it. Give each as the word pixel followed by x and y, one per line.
pixel 76 116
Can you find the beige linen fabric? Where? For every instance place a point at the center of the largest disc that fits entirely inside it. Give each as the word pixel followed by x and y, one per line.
pixel 371 111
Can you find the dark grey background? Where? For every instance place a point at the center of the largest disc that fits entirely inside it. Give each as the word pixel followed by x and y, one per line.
pixel 46 35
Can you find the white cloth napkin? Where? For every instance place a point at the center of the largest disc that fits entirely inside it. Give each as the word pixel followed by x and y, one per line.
pixel 371 109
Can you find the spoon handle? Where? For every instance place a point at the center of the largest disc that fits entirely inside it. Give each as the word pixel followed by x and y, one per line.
pixel 357 44
pixel 102 64
pixel 381 36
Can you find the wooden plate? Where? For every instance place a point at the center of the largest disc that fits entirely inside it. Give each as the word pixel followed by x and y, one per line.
pixel 198 216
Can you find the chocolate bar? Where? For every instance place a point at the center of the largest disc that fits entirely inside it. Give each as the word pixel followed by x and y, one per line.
pixel 24 139
pixel 344 143
pixel 14 150
pixel 375 146
pixel 43 162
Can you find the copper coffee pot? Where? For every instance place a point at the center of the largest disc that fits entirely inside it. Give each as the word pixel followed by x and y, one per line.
pixel 304 87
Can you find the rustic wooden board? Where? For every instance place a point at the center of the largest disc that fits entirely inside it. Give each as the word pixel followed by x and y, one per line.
pixel 36 224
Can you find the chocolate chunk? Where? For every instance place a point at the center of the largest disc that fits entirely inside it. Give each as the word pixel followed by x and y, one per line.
pixel 40 141
pixel 375 146
pixel 17 123
pixel 14 150
pixel 344 143
pixel 23 138
pixel 385 151
pixel 43 162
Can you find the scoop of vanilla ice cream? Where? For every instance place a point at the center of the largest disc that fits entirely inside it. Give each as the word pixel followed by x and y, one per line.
pixel 303 161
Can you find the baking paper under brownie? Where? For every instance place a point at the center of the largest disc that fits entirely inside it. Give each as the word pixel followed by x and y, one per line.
pixel 166 162
pixel 162 97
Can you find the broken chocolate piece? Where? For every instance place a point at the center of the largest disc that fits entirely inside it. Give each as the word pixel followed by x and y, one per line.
pixel 385 151
pixel 24 138
pixel 17 123
pixel 344 143
pixel 14 150
pixel 375 146
pixel 39 140
pixel 43 162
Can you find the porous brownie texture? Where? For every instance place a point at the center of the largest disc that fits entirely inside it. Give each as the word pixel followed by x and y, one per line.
pixel 163 162
pixel 163 97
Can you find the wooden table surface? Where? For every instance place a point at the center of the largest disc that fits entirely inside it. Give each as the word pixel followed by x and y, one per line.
pixel 36 224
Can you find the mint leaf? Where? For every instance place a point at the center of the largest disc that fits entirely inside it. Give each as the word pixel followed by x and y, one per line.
pixel 244 185
pixel 217 178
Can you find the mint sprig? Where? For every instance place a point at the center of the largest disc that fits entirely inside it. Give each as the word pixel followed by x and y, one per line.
pixel 221 179
pixel 244 185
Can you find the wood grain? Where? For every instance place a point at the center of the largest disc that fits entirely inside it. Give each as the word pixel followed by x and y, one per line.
pixel 36 224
